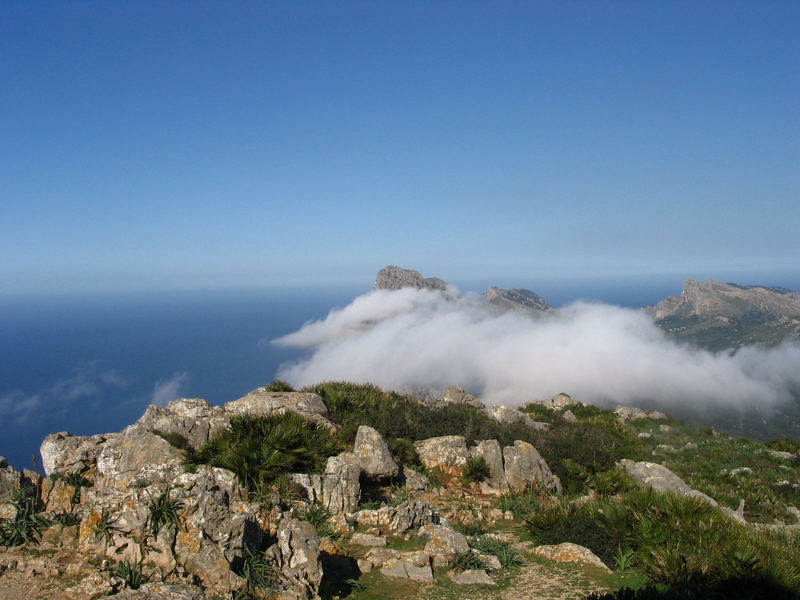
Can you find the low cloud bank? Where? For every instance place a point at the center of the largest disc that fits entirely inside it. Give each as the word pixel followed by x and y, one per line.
pixel 600 354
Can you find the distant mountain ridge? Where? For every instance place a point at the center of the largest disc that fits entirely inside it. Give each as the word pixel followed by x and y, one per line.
pixel 719 315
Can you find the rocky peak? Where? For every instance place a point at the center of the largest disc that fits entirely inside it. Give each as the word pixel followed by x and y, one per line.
pixel 395 278
pixel 516 299
pixel 717 299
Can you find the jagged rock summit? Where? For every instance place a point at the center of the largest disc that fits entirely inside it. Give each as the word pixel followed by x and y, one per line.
pixel 395 278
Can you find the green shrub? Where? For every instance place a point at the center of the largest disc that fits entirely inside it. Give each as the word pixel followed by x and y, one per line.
pixel 106 526
pixel 466 561
pixel 613 481
pixel 470 529
pixel 24 528
pixel 67 519
pixel 319 517
pixel 131 574
pixel 784 445
pixel 163 511
pixel 257 570
pixel 523 503
pixel 403 451
pixel 475 470
pixel 397 416
pixel 503 550
pixel 261 448
pixel 278 385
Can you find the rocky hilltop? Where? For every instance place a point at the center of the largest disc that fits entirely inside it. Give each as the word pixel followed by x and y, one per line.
pixel 340 488
pixel 395 278
pixel 724 315
pixel 516 299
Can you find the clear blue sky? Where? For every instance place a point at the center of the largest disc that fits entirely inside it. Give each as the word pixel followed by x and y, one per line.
pixel 150 145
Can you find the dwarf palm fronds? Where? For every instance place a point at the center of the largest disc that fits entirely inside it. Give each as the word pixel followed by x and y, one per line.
pixel 261 448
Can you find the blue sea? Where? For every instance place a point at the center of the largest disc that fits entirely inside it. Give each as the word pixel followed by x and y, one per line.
pixel 92 363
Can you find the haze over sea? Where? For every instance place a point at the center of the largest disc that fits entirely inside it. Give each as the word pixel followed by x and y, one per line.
pixel 91 363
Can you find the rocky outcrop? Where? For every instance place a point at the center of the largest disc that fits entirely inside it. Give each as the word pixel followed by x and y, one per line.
pixel 161 591
pixel 373 454
pixel 66 453
pixel 410 515
pixel 570 553
pixel 631 413
pixel 518 300
pixel 447 453
pixel 507 414
pixel 297 556
pixel 457 395
pixel 338 488
pixel 442 543
pixel 395 278
pixel 661 479
pixel 525 467
pixel 124 456
pixel 415 565
pixel 414 481
pixel 190 418
pixel 262 401
pixel 490 451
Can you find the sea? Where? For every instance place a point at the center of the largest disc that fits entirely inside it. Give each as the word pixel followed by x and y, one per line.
pixel 92 363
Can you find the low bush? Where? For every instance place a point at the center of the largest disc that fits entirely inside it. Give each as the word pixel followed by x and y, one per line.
pixel 163 511
pixel 504 551
pixel 403 451
pixel 106 526
pixel 466 561
pixel 784 445
pixel 258 571
pixel 475 470
pixel 261 448
pixel 130 573
pixel 318 516
pixel 278 385
pixel 25 526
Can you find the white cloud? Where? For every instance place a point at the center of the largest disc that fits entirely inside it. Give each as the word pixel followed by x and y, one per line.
pixel 167 390
pixel 597 353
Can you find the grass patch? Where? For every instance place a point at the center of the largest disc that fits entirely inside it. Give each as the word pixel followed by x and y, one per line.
pixel 163 511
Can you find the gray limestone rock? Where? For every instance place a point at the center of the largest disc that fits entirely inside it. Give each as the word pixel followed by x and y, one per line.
pixel 414 481
pixel 470 577
pixel 442 543
pixel 297 556
pixel 261 401
pixel 490 451
pixel 365 539
pixel 457 395
pixel 373 454
pixel 66 453
pixel 661 479
pixel 506 414
pixel 448 453
pixel 395 278
pixel 524 466
pixel 191 418
pixel 415 566
pixel 122 457
pixel 162 591
pixel 571 553
pixel 338 489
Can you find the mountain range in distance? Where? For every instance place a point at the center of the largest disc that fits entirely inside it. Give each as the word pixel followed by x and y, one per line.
pixel 712 315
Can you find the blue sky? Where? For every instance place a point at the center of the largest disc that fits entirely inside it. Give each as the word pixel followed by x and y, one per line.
pixel 156 145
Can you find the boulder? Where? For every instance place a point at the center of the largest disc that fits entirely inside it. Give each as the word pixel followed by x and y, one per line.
pixel 415 566
pixel 495 483
pixel 661 479
pixel 448 453
pixel 571 553
pixel 297 557
pixel 411 514
pixel 470 577
pixel 365 539
pixel 261 401
pixel 414 481
pixel 442 543
pixel 66 453
pixel 569 417
pixel 456 395
pixel 632 413
pixel 338 489
pixel 162 591
pixel 122 457
pixel 561 400
pixel 373 454
pixel 524 467
pixel 506 414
